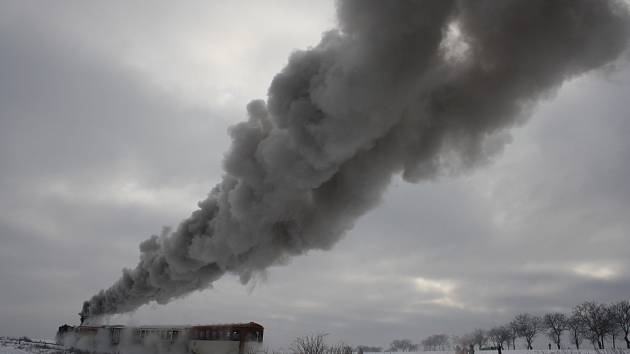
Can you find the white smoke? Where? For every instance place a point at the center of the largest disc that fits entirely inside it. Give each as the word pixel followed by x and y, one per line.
pixel 128 343
pixel 418 88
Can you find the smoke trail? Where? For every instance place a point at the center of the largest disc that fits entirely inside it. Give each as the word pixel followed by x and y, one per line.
pixel 416 88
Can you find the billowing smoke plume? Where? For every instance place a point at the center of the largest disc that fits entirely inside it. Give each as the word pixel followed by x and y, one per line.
pixel 418 88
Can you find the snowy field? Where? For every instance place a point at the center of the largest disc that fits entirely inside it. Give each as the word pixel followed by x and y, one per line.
pixel 27 346
pixel 535 351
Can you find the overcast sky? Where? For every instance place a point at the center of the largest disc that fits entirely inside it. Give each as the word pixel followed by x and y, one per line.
pixel 113 124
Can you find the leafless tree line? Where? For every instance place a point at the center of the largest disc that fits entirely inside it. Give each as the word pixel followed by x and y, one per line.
pixel 436 342
pixel 402 345
pixel 315 344
pixel 590 320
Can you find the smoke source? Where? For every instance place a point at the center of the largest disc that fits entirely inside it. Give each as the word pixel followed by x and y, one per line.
pixel 418 88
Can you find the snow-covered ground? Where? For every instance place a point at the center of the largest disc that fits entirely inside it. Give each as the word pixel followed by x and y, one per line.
pixel 523 351
pixel 27 346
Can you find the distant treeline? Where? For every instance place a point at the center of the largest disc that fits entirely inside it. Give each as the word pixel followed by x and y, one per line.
pixel 594 322
pixel 589 321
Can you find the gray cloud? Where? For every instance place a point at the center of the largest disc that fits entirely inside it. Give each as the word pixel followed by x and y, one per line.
pixel 345 116
pixel 82 141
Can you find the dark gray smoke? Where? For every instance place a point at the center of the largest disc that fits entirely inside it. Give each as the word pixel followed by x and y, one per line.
pixel 418 88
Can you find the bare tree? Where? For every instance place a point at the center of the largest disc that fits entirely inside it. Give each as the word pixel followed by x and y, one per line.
pixel 340 348
pixel 500 335
pixel 443 341
pixel 402 345
pixel 479 337
pixel 615 332
pixel 527 327
pixel 514 333
pixel 495 338
pixel 596 319
pixel 594 339
pixel 462 341
pixel 576 330
pixel 621 317
pixel 556 324
pixel 428 344
pixel 312 344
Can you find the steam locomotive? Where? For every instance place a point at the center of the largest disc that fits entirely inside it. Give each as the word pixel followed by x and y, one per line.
pixel 237 338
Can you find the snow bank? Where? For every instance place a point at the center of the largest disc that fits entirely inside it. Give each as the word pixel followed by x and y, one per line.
pixel 27 346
